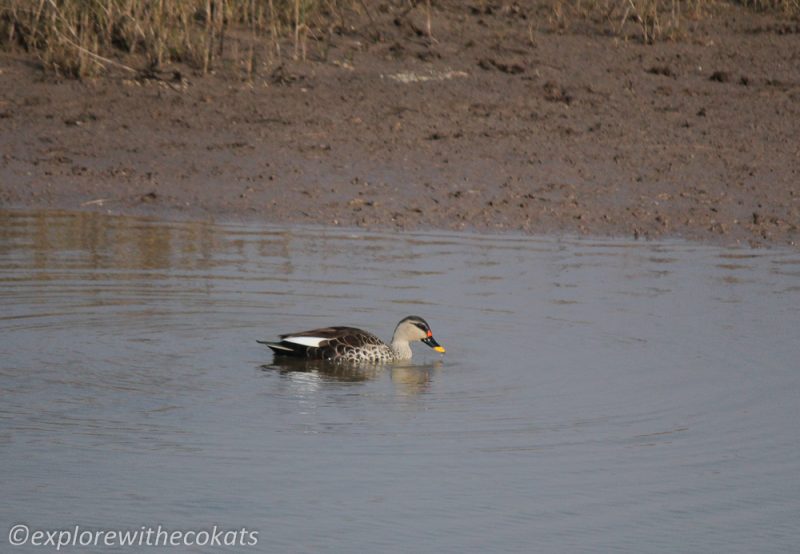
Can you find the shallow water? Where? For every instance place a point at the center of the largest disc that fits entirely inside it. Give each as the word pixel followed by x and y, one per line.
pixel 595 396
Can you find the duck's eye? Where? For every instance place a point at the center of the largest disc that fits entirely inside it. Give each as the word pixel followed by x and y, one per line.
pixel 422 327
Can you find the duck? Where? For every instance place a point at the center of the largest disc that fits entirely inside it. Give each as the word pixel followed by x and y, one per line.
pixel 350 344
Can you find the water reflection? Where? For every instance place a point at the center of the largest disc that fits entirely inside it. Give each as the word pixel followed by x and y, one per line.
pixel 325 370
pixel 408 378
pixel 415 379
pixel 106 241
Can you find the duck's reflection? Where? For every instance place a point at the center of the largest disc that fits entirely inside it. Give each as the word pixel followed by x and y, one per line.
pixel 414 379
pixel 324 369
pixel 409 378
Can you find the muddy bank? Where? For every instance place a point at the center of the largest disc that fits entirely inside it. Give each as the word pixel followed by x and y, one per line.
pixel 498 124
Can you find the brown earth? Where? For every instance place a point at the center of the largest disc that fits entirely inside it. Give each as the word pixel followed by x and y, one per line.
pixel 499 122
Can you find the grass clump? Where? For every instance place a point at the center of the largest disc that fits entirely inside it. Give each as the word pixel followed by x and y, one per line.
pixel 83 37
pixel 652 20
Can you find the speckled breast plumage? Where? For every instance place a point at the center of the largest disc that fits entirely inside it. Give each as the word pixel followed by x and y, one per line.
pixel 359 347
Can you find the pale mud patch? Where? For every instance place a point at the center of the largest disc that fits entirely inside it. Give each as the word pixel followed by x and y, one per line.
pixel 407 77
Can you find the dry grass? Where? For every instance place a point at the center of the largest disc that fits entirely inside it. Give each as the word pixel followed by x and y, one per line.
pixel 789 8
pixel 652 20
pixel 83 37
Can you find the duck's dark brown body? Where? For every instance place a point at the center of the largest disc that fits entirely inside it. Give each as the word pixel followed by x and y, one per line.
pixel 338 343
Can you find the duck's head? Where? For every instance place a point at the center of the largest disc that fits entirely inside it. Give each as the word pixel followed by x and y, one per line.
pixel 414 328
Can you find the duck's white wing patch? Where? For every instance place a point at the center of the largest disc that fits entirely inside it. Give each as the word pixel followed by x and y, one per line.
pixel 306 341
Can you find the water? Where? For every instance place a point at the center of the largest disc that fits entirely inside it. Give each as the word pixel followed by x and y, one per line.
pixel 595 395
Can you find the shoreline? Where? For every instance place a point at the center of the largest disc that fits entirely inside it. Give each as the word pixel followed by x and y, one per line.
pixel 159 217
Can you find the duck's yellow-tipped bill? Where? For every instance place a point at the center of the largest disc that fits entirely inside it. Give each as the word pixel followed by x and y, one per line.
pixel 430 341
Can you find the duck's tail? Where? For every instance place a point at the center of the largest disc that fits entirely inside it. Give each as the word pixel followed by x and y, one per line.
pixel 277 347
